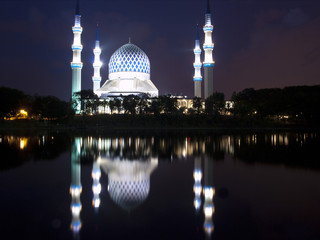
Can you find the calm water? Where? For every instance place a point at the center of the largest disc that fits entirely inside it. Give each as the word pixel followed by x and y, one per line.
pixel 160 186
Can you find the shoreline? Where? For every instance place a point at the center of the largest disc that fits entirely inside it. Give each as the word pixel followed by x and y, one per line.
pixel 88 127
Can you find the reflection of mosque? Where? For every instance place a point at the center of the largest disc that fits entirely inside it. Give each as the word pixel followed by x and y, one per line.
pixel 129 162
pixel 128 179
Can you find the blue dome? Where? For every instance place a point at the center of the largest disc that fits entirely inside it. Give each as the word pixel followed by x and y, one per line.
pixel 129 58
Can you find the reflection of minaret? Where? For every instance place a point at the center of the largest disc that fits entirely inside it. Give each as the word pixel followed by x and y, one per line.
pixel 96 64
pixel 197 188
pixel 208 60
pixel 197 78
pixel 208 191
pixel 75 187
pixel 76 64
pixel 96 186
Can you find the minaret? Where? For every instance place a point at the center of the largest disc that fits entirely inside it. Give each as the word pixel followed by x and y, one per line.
pixel 76 63
pixel 208 60
pixel 96 64
pixel 197 78
pixel 75 187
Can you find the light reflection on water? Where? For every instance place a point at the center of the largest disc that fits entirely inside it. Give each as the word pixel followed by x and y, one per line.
pixel 129 179
pixel 129 163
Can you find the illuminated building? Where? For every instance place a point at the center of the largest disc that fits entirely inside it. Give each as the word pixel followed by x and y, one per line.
pixel 76 64
pixel 129 74
pixel 96 64
pixel 208 59
pixel 197 78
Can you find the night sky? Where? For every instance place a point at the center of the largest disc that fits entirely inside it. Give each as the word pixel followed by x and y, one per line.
pixel 258 43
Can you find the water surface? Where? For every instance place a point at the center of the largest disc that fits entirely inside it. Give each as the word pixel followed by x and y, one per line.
pixel 160 186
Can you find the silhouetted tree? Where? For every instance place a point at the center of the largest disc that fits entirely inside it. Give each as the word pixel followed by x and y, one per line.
pixel 12 100
pixel 117 104
pixel 142 105
pixel 112 105
pixel 168 104
pixel 50 107
pixel 89 101
pixel 130 103
pixel 197 104
pixel 214 103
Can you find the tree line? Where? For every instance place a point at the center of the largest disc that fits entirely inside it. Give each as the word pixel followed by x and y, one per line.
pixel 291 104
pixel 39 107
pixel 298 103
pixel 132 104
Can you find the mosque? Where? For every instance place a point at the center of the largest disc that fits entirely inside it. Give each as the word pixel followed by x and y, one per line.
pixel 129 68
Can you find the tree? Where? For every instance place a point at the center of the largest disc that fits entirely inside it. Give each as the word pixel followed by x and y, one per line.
pixel 130 103
pixel 104 103
pixel 112 105
pixel 142 105
pixel 168 104
pixel 50 107
pixel 197 104
pixel 155 106
pixel 88 99
pixel 214 103
pixel 12 100
pixel 117 104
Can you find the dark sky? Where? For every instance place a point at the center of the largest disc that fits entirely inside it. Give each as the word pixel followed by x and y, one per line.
pixel 258 43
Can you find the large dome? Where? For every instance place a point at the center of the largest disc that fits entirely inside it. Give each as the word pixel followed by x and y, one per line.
pixel 128 59
pixel 129 74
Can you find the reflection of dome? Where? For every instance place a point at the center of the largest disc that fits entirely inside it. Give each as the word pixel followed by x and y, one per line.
pixel 128 181
pixel 129 58
pixel 129 194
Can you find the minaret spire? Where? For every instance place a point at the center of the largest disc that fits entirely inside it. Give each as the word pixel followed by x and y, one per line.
pixel 197 78
pixel 97 33
pixel 208 7
pixel 97 63
pixel 76 63
pixel 208 59
pixel 77 8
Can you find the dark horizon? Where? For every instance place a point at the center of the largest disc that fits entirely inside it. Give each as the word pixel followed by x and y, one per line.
pixel 258 44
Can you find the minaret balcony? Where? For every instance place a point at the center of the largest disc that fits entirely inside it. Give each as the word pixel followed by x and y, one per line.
pixel 208 28
pixel 77 29
pixel 96 79
pixel 208 64
pixel 97 64
pixel 197 78
pixel 197 65
pixel 197 50
pixel 208 46
pixel 76 65
pixel 77 47
pixel 97 51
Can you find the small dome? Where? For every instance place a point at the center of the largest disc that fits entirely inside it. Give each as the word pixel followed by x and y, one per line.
pixel 129 58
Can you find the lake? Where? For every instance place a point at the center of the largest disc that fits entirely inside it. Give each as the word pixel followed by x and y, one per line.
pixel 160 185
